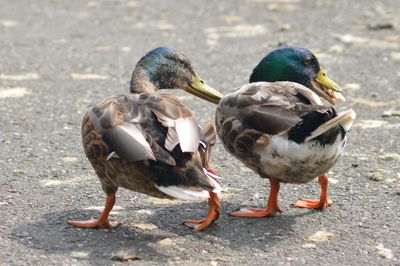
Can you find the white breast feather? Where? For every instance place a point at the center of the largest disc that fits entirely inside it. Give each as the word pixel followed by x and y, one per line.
pixel 281 150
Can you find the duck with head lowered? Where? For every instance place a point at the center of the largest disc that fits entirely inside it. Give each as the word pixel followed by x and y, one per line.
pixel 279 127
pixel 151 143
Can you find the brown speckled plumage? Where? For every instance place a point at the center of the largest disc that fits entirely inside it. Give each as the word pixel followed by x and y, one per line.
pixel 281 129
pixel 169 167
pixel 151 143
pixel 283 132
pixel 248 118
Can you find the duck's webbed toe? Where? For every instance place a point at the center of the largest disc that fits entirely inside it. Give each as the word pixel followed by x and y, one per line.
pixel 324 201
pixel 214 212
pixel 272 205
pixel 101 222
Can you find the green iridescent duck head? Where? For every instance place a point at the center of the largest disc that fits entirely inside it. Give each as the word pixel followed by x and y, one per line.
pixel 165 68
pixel 290 63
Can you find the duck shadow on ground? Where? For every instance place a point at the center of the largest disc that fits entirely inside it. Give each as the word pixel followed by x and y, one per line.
pixel 53 236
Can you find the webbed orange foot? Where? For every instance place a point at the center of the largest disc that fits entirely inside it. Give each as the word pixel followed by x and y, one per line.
pixel 103 221
pixel 214 212
pixel 272 204
pixel 255 212
pixel 313 204
pixel 94 223
pixel 324 201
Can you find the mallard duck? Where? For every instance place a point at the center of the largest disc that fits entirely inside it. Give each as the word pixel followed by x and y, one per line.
pixel 300 65
pixel 281 129
pixel 152 143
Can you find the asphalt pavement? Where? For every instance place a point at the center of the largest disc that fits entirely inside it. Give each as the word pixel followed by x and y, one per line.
pixel 58 57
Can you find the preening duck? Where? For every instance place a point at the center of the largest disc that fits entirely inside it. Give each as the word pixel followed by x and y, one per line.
pixel 279 127
pixel 151 143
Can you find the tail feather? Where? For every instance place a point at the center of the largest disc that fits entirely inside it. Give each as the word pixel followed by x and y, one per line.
pixel 183 193
pixel 192 193
pixel 344 119
pixel 197 181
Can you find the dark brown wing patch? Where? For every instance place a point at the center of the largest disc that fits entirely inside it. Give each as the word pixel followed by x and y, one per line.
pixel 181 124
pixel 126 140
pixel 271 108
pixel 247 118
pixel 117 120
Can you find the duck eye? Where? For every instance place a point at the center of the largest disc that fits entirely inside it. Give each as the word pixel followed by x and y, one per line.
pixel 307 61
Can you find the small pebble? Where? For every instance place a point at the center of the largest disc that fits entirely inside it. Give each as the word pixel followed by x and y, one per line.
pixel 15 92
pixel 320 236
pixel 124 257
pixel 390 157
pixel 165 242
pixel 380 26
pixel 374 95
pixel 146 226
pixel 79 76
pixel 19 77
pixel 390 113
pixel 384 252
pixel 285 27
pixel 336 49
pixel 352 86
pixel 309 245
pixel 376 176
pixel 79 254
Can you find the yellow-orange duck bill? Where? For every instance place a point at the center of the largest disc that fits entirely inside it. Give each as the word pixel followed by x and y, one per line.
pixel 327 88
pixel 200 89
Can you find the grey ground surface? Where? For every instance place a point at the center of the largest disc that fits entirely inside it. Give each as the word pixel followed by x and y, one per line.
pixel 49 47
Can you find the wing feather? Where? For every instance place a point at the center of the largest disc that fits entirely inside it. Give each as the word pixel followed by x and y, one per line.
pixel 172 139
pixel 181 124
pixel 137 127
pixel 188 134
pixel 130 125
pixel 128 142
pixel 122 125
pixel 271 108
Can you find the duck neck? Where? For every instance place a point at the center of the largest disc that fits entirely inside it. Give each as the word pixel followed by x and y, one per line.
pixel 141 82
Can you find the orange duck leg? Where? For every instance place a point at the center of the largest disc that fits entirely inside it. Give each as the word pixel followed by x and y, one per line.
pixel 214 211
pixel 272 205
pixel 101 222
pixel 323 202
